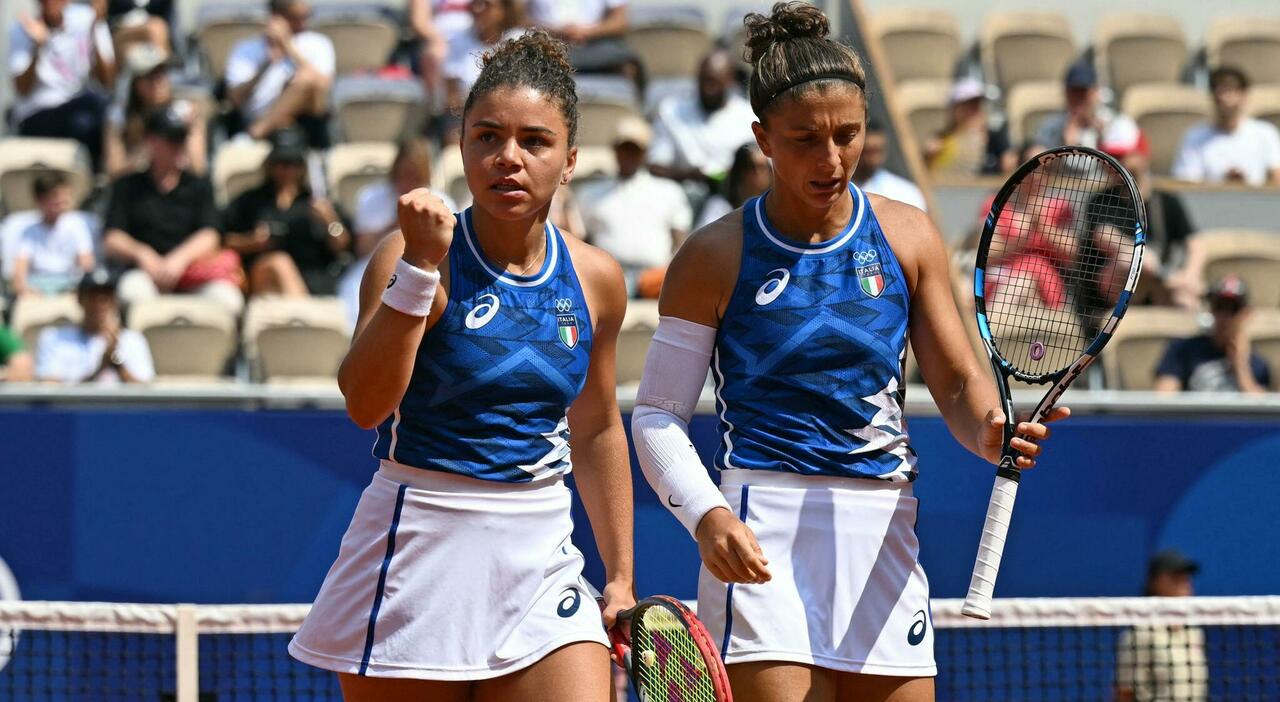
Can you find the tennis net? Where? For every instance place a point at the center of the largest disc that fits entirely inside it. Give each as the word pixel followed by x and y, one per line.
pixel 1224 649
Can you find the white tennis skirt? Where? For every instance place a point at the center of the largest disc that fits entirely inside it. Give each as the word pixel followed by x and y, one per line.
pixel 444 577
pixel 848 592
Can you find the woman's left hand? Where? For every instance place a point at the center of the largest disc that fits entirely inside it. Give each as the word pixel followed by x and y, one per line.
pixel 1026 440
pixel 619 595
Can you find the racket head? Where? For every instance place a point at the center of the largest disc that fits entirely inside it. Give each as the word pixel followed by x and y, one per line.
pixel 1058 260
pixel 668 653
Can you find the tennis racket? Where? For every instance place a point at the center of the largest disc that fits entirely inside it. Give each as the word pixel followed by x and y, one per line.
pixel 1059 258
pixel 668 654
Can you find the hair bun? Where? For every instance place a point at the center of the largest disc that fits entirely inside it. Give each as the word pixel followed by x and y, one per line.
pixel 786 21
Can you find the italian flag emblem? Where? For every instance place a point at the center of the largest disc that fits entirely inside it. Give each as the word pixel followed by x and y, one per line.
pixel 871 280
pixel 567 324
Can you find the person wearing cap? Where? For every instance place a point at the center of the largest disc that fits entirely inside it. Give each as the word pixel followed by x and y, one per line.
pixel 1233 148
pixel 871 175
pixel 1220 360
pixel 638 218
pixel 54 244
pixel 99 349
pixel 969 145
pixel 288 239
pixel 162 222
pixel 149 89
pixel 1085 117
pixel 1163 663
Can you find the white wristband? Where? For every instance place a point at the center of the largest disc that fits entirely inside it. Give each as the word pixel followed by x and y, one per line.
pixel 411 289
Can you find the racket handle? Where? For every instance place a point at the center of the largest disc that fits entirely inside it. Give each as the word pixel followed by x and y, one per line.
pixel 982 585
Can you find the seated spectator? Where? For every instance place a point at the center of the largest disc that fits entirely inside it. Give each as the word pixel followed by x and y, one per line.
pixel 492 22
pixel 695 136
pixel 436 24
pixel 52 58
pixel 1222 359
pixel 593 30
pixel 639 219
pixel 99 350
pixel 1234 148
pixel 968 144
pixel 135 22
pixel 1031 246
pixel 749 176
pixel 871 175
pixel 163 222
pixel 55 249
pixel 1085 118
pixel 288 239
pixel 150 89
pixel 16 365
pixel 283 76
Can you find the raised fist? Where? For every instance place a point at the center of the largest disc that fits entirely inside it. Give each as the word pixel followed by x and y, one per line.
pixel 427 226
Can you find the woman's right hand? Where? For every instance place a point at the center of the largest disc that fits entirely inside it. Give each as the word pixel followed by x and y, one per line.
pixel 729 549
pixel 427 226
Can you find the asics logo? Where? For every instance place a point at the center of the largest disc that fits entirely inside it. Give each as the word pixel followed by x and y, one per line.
pixel 483 312
pixel 864 256
pixel 392 281
pixel 569 601
pixel 915 635
pixel 563 304
pixel 773 286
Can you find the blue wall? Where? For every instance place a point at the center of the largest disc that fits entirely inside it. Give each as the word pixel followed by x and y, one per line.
pixel 232 506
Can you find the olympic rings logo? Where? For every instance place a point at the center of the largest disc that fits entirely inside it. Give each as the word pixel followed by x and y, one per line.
pixel 864 256
pixel 563 304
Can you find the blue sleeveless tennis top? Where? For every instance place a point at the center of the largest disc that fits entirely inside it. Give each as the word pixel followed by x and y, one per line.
pixel 493 379
pixel 809 357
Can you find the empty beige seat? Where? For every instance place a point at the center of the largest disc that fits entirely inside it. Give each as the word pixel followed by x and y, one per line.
pixel 447 175
pixel 1131 357
pixel 1026 46
pixel 295 337
pixel 1251 44
pixel 638 325
pixel 603 101
pixel 350 167
pixel 594 162
pixel 237 167
pixel 670 40
pixel 925 103
pixel 363 38
pixel 1252 255
pixel 1264 103
pixel 31 315
pixel 378 109
pixel 919 43
pixel 1165 112
pixel 1029 104
pixel 220 26
pixel 1134 48
pixel 24 158
pixel 189 336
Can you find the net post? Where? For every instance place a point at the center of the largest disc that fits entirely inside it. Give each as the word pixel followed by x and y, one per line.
pixel 187 640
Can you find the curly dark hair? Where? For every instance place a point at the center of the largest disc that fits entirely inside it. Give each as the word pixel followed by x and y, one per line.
pixel 789 51
pixel 535 60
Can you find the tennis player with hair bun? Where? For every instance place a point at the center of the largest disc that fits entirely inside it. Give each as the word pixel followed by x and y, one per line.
pixel 801 302
pixel 483 339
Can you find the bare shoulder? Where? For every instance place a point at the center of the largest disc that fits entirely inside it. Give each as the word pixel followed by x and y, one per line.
pixel 911 234
pixel 701 277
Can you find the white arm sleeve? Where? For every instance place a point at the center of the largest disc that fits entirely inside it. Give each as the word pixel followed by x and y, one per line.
pixel 674 372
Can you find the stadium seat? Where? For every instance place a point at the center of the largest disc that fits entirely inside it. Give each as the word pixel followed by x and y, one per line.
pixel 222 25
pixel 237 167
pixel 350 167
pixel 925 104
pixel 363 35
pixel 1026 46
pixel 603 101
pixel 1029 104
pixel 919 43
pixel 378 109
pixel 447 175
pixel 1264 338
pixel 24 158
pixel 1136 48
pixel 637 330
pixel 295 338
pixel 1251 44
pixel 669 40
pixel 32 314
pixel 1131 356
pixel 1165 112
pixel 190 336
pixel 1252 255
pixel 1264 103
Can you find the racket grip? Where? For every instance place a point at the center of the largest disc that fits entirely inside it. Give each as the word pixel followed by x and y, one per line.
pixel 982 585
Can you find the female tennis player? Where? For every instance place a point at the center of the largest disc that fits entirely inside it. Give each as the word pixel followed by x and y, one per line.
pixel 483 340
pixel 801 301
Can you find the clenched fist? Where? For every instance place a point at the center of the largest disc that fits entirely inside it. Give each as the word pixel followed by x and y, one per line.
pixel 427 226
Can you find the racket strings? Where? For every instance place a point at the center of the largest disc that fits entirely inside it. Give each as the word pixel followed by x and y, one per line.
pixel 667 663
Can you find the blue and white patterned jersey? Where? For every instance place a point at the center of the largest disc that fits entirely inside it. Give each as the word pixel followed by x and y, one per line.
pixel 495 376
pixel 809 357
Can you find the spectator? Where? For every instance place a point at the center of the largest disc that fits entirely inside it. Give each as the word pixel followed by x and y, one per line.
pixel 639 219
pixel 492 22
pixel 289 239
pixel 1221 360
pixel 135 22
pixel 163 222
pixel 1085 118
pixel 55 248
pixel 1234 148
pixel 1033 243
pixel 52 57
pixel 283 76
pixel 149 90
pixel 1164 663
pixel 99 350
pixel 749 176
pixel 871 175
pixel 436 24
pixel 593 30
pixel 695 136
pixel 968 144
pixel 16 365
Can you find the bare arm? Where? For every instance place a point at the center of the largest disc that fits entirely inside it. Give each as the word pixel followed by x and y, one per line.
pixel 197 246
pixel 104 69
pixel 119 245
pixel 34 28
pixel 420 19
pixel 613 24
pixel 1167 384
pixel 115 157
pixel 20 369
